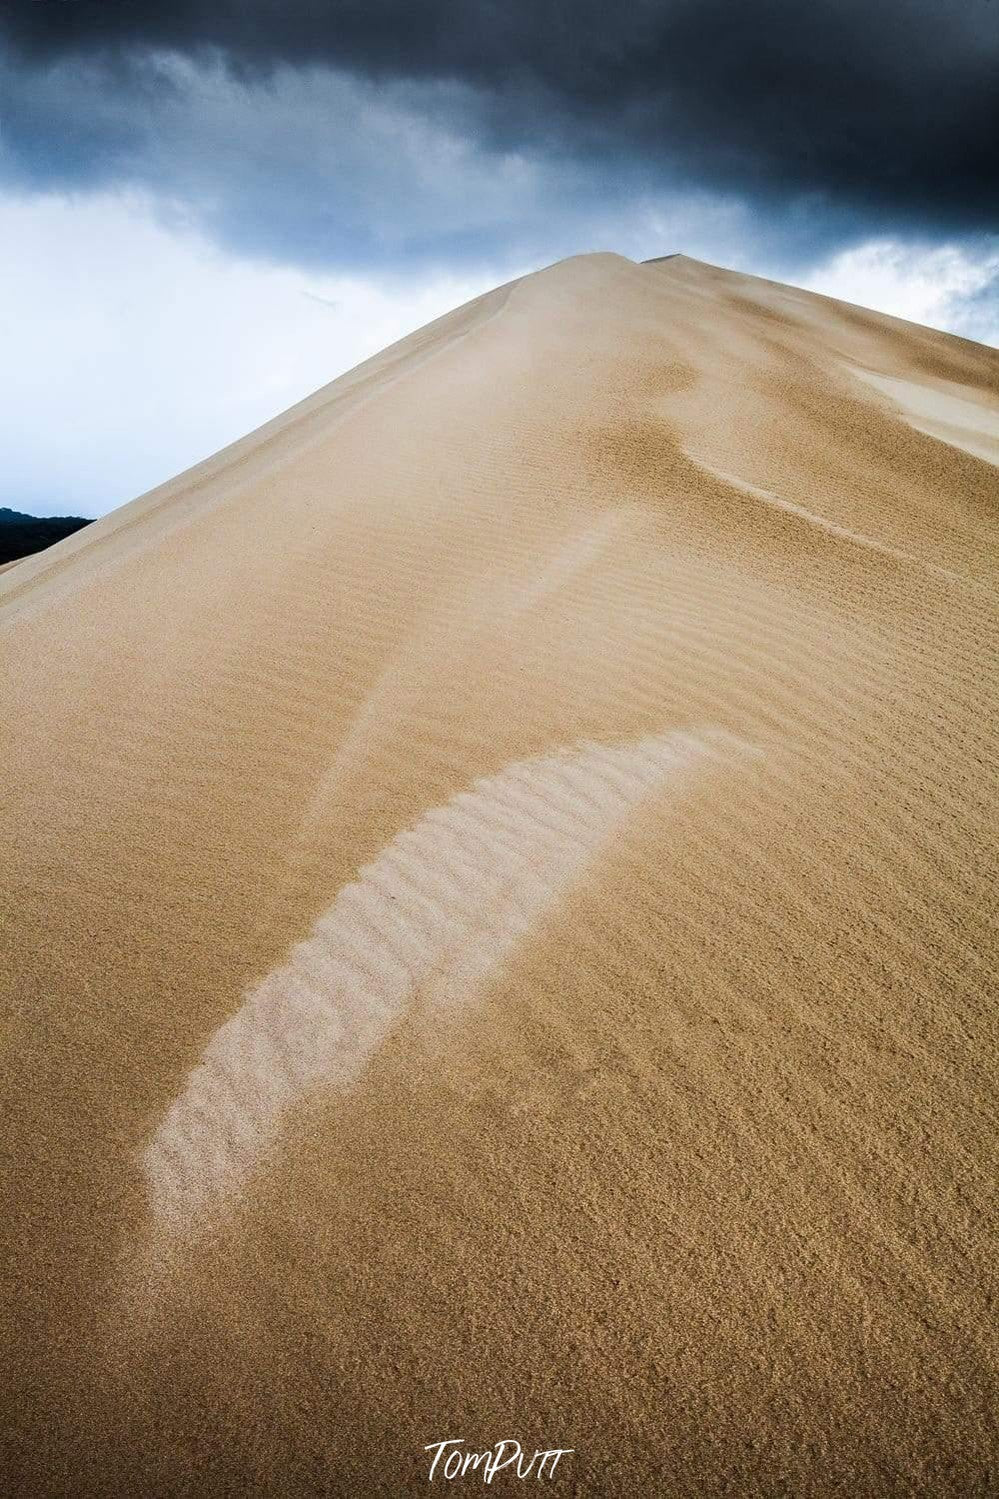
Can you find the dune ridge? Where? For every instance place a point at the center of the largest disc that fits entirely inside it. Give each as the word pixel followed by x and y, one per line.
pixel 499 869
pixel 790 508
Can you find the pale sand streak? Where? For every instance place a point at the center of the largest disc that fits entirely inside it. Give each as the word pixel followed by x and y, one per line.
pixel 956 415
pixel 433 915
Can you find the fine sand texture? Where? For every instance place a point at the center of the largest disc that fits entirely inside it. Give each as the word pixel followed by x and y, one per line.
pixel 499 893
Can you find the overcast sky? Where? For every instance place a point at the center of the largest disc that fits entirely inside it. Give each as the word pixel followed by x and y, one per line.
pixel 209 209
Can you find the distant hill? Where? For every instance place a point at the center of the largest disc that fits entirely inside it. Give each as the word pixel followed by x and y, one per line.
pixel 22 535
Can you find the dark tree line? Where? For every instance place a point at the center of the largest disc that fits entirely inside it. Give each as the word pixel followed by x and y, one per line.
pixel 22 535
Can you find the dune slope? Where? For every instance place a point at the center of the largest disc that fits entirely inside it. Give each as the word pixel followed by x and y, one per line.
pixel 499 890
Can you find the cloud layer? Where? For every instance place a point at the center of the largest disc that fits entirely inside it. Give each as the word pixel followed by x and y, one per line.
pixel 211 207
pixel 390 129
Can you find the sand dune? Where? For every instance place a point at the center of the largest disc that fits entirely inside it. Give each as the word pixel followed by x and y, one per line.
pixel 499 878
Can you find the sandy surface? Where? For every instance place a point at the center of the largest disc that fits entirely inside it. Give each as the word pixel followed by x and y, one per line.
pixel 499 881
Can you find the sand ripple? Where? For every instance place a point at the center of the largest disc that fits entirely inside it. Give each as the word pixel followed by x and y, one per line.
pixel 431 918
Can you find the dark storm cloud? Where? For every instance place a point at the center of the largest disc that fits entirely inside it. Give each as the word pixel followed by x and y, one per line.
pixel 883 104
